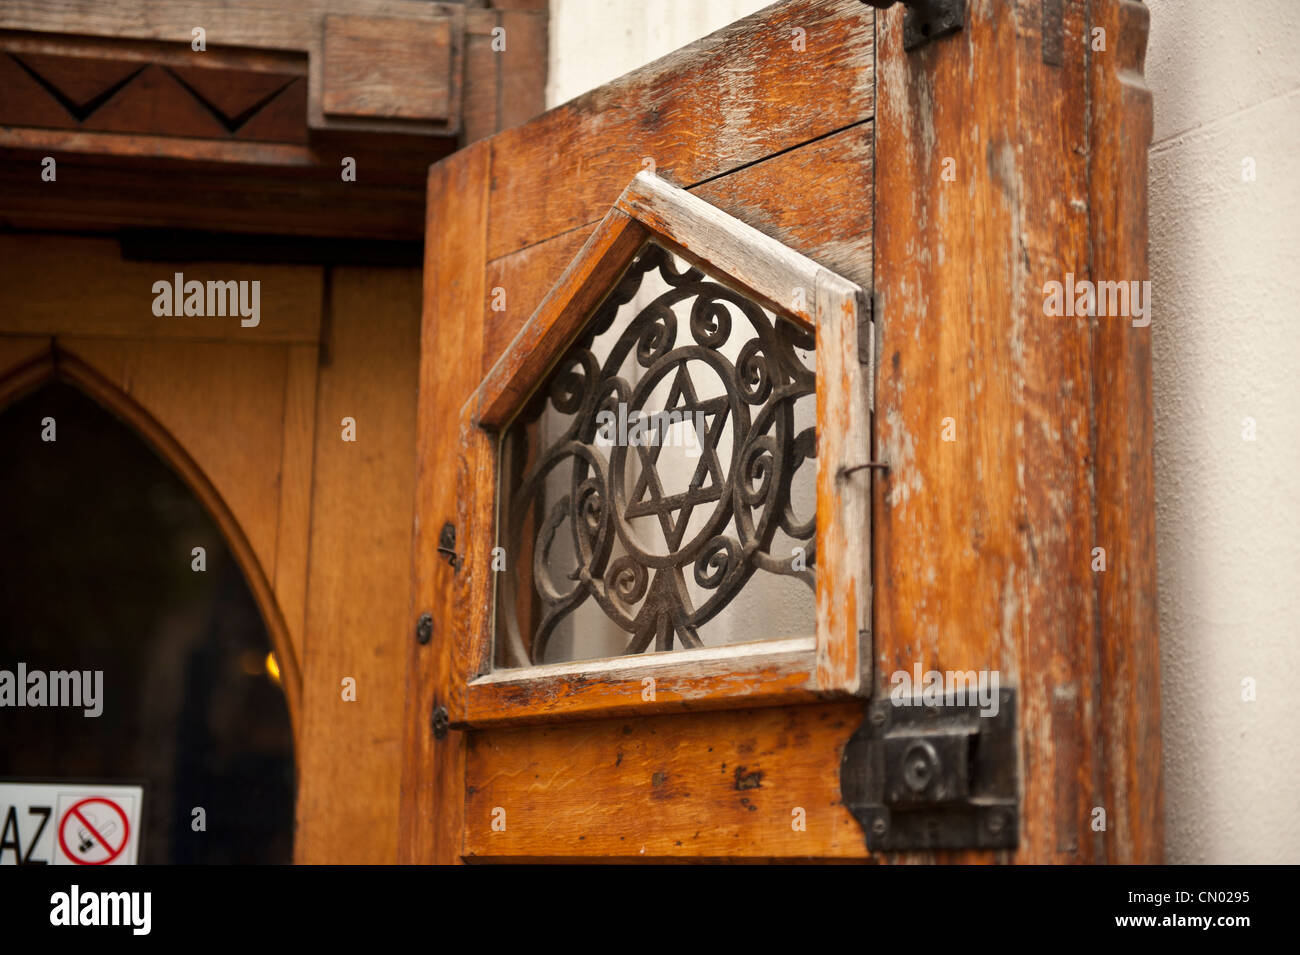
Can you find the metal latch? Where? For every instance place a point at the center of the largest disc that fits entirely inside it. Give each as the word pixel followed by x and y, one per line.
pixel 447 545
pixel 935 775
pixel 926 20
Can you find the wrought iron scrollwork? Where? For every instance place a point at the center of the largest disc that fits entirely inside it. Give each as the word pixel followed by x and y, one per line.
pixel 632 539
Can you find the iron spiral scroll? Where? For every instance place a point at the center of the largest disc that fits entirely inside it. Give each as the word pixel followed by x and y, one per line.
pixel 639 579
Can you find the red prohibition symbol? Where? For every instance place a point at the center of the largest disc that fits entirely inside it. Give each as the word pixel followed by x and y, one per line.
pixel 92 834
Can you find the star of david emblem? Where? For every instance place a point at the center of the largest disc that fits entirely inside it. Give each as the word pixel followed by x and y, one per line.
pixel 674 510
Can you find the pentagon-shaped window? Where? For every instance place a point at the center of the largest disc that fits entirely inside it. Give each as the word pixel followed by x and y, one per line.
pixel 665 492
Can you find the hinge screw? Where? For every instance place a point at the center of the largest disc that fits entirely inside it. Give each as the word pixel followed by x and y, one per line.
pixel 879 827
pixel 440 722
pixel 995 822
pixel 424 629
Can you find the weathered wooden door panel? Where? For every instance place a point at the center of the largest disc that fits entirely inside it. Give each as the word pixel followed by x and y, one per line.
pixel 981 546
pixel 497 221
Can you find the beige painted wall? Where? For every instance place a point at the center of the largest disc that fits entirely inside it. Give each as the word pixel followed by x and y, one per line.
pixel 594 41
pixel 1225 287
pixel 1225 282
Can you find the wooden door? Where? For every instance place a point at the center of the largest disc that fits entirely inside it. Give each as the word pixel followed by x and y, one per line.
pixel 949 181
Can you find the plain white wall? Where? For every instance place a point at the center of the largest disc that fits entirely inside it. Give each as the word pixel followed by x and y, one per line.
pixel 1225 268
pixel 594 41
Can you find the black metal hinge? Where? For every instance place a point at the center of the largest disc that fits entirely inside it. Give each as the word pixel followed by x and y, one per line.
pixel 926 20
pixel 935 775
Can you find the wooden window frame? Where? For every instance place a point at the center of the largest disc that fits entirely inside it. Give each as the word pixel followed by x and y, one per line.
pixel 836 661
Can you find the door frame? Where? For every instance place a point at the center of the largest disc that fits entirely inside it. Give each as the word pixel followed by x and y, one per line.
pixel 50 364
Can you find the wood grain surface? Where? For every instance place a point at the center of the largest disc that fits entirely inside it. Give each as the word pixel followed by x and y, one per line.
pixel 993 175
pixel 989 186
pixel 359 588
pixel 518 231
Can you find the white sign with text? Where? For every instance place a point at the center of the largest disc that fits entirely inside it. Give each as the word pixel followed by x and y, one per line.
pixel 69 824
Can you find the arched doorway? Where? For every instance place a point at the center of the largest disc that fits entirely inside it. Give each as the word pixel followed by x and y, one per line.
pixel 98 571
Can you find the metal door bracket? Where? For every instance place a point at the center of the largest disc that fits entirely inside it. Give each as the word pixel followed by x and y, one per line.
pixel 926 20
pixel 920 775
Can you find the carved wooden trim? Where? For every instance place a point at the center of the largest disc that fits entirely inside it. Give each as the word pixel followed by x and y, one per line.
pixel 151 89
pixel 251 133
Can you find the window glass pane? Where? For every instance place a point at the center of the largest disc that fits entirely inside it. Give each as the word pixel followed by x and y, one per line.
pixel 659 489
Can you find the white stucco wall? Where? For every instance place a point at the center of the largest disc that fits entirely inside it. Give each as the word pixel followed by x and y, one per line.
pixel 1226 336
pixel 1225 264
pixel 594 41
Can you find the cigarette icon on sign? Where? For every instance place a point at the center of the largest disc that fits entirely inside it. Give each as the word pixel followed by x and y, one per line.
pixel 95 831
pixel 105 829
pixel 89 831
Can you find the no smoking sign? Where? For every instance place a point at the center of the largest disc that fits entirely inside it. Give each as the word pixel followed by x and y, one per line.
pixel 94 831
pixel 69 824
